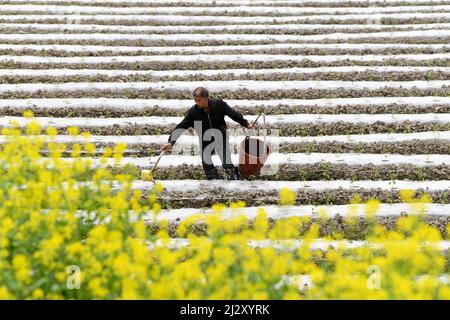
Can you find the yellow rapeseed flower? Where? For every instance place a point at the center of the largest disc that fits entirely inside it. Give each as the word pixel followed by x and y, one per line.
pixel 287 196
pixel 406 195
pixel 72 130
pixel 21 266
pixel 28 114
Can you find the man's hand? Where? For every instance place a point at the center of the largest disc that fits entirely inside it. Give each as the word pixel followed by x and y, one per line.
pixel 251 126
pixel 166 147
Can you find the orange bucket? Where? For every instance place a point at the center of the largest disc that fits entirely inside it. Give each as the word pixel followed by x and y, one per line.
pixel 253 154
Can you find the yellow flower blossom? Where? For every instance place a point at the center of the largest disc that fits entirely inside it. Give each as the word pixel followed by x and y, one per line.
pixel 73 131
pixel 37 294
pixel 56 215
pixel 287 196
pixel 22 269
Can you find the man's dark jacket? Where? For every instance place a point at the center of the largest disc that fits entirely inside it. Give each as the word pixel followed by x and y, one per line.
pixel 217 110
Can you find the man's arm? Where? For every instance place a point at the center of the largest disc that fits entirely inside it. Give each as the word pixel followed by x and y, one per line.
pixel 186 123
pixel 235 115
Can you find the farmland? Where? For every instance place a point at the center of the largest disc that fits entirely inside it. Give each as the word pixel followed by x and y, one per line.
pixel 356 97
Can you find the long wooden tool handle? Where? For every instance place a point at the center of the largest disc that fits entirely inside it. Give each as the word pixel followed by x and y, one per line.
pixel 259 115
pixel 157 160
pixel 254 122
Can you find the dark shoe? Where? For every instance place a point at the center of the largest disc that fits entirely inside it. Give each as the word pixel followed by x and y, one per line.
pixel 233 174
pixel 212 174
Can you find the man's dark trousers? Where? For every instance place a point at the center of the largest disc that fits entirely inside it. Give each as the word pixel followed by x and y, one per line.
pixel 222 146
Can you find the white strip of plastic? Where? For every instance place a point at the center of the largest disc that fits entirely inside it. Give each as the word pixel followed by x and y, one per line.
pixel 237 2
pixel 135 104
pixel 208 73
pixel 270 119
pixel 372 19
pixel 203 49
pixel 189 141
pixel 282 212
pixel 218 86
pixel 303 282
pixel 291 245
pixel 215 10
pixel 221 58
pixel 180 29
pixel 218 37
pixel 277 159
pixel 318 185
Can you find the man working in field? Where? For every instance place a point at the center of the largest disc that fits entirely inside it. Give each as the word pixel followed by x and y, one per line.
pixel 207 118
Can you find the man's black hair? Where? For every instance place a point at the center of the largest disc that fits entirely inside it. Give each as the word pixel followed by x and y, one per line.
pixel 201 92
